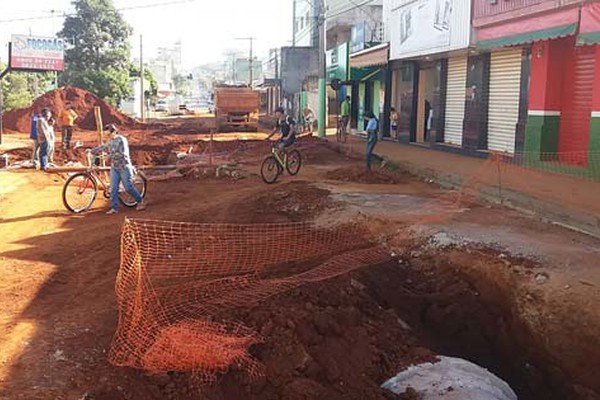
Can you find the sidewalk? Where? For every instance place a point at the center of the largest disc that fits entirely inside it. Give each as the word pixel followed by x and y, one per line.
pixel 562 199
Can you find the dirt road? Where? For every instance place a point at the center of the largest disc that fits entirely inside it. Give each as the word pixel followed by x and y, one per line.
pixel 499 288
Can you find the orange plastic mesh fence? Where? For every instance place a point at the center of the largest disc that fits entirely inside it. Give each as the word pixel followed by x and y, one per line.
pixel 178 284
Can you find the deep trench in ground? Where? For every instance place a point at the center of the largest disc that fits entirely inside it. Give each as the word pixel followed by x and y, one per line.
pixel 448 313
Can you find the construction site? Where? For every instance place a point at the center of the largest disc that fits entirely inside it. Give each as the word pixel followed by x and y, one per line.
pixel 324 285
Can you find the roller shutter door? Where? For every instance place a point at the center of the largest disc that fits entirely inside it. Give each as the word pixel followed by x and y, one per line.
pixel 455 100
pixel 505 88
pixel 574 133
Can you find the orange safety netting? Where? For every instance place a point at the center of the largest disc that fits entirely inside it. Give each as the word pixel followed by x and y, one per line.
pixel 179 285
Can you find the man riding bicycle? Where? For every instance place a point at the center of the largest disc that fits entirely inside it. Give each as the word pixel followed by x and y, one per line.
pixel 285 125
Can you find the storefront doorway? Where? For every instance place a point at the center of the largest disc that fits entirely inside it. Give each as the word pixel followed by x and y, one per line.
pixel 429 104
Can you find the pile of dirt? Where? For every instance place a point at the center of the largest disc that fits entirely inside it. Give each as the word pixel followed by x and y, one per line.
pixel 326 340
pixel 83 102
pixel 290 202
pixel 360 174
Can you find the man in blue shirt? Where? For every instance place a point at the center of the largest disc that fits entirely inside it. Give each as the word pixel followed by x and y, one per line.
pixel 286 126
pixel 33 135
pixel 372 132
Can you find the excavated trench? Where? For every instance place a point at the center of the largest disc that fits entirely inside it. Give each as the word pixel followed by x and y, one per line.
pixel 465 314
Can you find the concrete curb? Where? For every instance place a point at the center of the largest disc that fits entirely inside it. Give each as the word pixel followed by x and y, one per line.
pixel 575 220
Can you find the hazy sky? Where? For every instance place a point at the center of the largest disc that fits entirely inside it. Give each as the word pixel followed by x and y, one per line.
pixel 206 27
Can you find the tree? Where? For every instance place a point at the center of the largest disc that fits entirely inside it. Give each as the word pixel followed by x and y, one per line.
pixel 183 84
pixel 20 88
pixel 98 60
pixel 150 82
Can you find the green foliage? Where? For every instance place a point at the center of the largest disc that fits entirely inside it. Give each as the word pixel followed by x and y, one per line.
pixel 20 88
pixel 183 84
pixel 152 89
pixel 98 60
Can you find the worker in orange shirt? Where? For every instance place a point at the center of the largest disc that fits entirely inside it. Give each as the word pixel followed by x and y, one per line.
pixel 67 119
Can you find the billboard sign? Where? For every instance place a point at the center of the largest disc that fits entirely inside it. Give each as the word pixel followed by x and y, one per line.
pixel 338 62
pixel 36 53
pixel 359 37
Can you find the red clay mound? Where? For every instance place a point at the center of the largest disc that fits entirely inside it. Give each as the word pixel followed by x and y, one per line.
pixel 360 174
pixel 56 100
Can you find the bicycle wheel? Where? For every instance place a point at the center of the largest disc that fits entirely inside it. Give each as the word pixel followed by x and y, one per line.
pixel 270 170
pixel 79 192
pixel 140 183
pixel 294 162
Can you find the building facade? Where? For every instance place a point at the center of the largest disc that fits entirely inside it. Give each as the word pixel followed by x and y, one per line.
pixel 554 98
pixel 431 59
pixel 306 28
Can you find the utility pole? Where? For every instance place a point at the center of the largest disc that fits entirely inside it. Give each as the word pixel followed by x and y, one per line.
pixel 143 103
pixel 322 68
pixel 294 25
pixel 250 61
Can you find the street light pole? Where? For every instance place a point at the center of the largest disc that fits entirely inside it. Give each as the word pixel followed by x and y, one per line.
pixel 322 68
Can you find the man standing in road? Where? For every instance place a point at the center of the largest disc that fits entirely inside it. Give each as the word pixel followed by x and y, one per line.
pixel 67 121
pixel 35 156
pixel 309 116
pixel 345 113
pixel 43 135
pixel 372 132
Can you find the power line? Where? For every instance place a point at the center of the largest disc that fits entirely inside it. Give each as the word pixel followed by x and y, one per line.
pixel 65 15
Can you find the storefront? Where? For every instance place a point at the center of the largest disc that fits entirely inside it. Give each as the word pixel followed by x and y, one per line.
pixel 543 78
pixel 338 67
pixel 368 74
pixel 429 49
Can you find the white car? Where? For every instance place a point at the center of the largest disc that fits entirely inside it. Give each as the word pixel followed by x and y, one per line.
pixel 161 106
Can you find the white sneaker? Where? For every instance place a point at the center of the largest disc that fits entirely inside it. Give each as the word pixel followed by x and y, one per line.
pixel 112 211
pixel 141 206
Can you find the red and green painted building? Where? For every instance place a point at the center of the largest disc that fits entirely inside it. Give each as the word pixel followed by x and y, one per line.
pixel 556 44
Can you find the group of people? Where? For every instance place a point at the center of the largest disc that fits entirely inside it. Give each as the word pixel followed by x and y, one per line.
pixel 287 127
pixel 43 136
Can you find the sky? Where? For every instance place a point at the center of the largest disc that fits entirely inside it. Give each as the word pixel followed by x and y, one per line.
pixel 207 28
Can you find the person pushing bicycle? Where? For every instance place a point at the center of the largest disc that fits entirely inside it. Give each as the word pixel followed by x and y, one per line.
pixel 121 168
pixel 286 126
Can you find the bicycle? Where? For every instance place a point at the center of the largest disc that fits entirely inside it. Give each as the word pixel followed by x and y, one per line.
pixel 274 165
pixel 81 189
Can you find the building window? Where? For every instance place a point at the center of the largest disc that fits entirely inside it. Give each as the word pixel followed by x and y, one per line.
pixel 307 19
pixel 301 23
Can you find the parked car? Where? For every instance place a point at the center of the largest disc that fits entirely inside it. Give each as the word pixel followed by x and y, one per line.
pixel 161 106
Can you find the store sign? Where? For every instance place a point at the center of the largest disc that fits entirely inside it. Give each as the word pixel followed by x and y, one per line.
pixel 37 53
pixel 359 37
pixel 424 24
pixel 338 62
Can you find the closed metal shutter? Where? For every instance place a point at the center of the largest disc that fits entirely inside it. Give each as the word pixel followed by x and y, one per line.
pixel 505 88
pixel 455 100
pixel 577 96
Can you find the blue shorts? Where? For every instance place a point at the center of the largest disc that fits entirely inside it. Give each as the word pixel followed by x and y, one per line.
pixel 287 141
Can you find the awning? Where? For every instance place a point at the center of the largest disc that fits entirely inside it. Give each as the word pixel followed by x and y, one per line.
pixel 550 26
pixel 371 57
pixel 589 28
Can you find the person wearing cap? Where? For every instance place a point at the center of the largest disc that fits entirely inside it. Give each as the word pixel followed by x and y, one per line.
pixel 286 126
pixel 121 168
pixel 43 136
